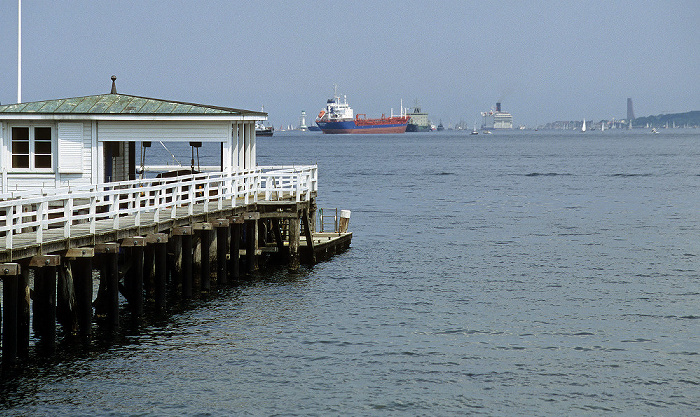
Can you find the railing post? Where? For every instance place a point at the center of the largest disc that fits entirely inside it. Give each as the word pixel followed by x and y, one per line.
pixel 40 219
pixel 68 212
pixel 157 202
pixel 190 196
pixel 93 213
pixel 9 222
pixel 114 211
pixel 137 207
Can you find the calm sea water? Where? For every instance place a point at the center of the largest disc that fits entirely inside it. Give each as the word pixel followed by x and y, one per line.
pixel 527 273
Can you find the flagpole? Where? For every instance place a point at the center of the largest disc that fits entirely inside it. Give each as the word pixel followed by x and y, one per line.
pixel 19 51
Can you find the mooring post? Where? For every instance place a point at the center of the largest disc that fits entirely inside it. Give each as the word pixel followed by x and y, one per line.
pixel 221 249
pixel 185 233
pixel 160 279
pixel 236 224
pixel 9 272
pixel 251 222
pixel 81 260
pixel 294 236
pixel 111 253
pixel 133 281
pixel 205 230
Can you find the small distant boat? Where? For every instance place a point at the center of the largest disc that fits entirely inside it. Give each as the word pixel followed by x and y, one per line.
pixel 474 131
pixel 440 127
pixel 262 130
pixel 654 131
pixel 583 128
pixel 487 132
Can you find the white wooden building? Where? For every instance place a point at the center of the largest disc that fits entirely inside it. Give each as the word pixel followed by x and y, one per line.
pixel 92 140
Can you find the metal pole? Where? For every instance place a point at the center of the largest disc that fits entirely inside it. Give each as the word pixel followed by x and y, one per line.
pixel 19 51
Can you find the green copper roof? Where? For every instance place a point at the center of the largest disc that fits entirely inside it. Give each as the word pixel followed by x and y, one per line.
pixel 119 104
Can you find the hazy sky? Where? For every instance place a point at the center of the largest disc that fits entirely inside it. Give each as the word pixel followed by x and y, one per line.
pixel 544 60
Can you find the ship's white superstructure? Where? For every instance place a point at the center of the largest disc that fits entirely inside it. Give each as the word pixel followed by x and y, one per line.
pixel 496 119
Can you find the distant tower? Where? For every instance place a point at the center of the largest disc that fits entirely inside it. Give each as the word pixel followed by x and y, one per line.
pixel 630 109
pixel 302 121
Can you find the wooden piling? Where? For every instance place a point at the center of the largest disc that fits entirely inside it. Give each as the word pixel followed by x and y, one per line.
pixel 159 240
pixel 186 255
pixel 221 249
pixel 23 314
pixel 9 272
pixel 308 234
pixel 133 281
pixel 294 236
pixel 81 261
pixel 236 224
pixel 111 279
pixel 66 309
pixel 251 223
pixel 44 307
pixel 204 231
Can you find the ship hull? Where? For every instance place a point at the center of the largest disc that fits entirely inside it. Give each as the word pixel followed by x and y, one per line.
pixel 349 126
pixel 417 128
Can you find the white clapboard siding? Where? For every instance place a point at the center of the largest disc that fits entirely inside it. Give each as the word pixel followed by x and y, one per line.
pixel 167 131
pixel 70 148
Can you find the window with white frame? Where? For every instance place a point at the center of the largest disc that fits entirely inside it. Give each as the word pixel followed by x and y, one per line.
pixel 31 147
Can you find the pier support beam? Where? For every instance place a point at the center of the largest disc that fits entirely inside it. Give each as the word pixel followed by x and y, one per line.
pixel 111 280
pixel 159 240
pixel 185 256
pixel 81 261
pixel 251 223
pixel 23 314
pixel 9 273
pixel 294 236
pixel 309 235
pixel 133 281
pixel 236 225
pixel 44 307
pixel 222 245
pixel 204 231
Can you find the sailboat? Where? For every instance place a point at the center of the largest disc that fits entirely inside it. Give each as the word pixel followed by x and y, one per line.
pixel 475 132
pixel 583 128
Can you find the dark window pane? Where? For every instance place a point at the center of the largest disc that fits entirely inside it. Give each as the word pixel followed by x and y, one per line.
pixel 42 161
pixel 42 133
pixel 20 133
pixel 43 148
pixel 20 148
pixel 20 161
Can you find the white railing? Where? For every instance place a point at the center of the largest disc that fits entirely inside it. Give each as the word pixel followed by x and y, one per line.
pixel 162 197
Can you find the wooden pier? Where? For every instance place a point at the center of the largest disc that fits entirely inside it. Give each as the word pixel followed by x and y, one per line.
pixel 150 243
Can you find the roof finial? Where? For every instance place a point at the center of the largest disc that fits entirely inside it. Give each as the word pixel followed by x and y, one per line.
pixel 114 85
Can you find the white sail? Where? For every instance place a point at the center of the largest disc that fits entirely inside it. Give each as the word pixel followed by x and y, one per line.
pixel 583 128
